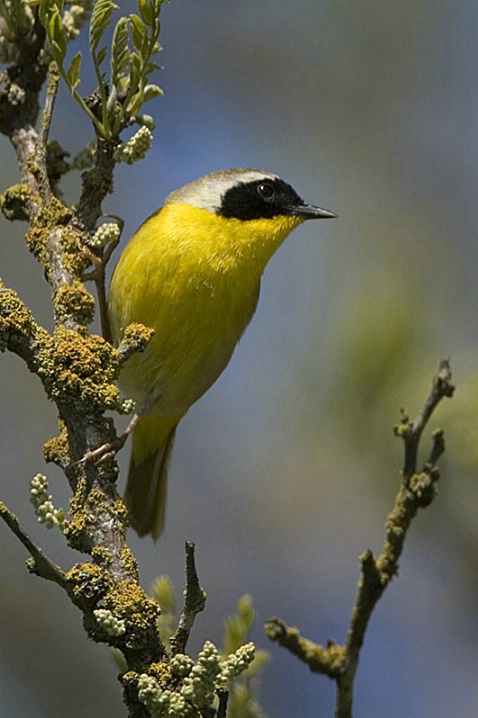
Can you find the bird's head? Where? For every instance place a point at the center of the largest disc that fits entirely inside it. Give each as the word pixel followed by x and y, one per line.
pixel 246 195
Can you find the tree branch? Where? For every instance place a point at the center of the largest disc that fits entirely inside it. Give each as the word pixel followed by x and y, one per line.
pixel 417 490
pixel 78 372
pixel 41 564
pixel 411 432
pixel 327 661
pixel 42 141
pixel 194 602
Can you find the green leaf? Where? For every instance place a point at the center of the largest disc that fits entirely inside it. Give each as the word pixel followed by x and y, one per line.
pixel 150 92
pixel 42 11
pixel 101 56
pixel 151 67
pixel 237 627
pixel 139 34
pixel 135 68
pixel 157 7
pixel 100 21
pixel 56 35
pixel 123 84
pixel 74 72
pixel 120 52
pixel 146 11
pixel 162 592
pixel 46 8
pixel 58 53
pixel 111 104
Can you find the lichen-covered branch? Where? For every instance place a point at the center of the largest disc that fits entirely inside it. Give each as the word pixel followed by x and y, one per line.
pixel 20 85
pixel 78 369
pixel 411 431
pixel 194 602
pixel 97 184
pixel 417 490
pixel 327 661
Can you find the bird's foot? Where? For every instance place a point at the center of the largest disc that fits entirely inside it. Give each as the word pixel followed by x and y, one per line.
pixel 110 449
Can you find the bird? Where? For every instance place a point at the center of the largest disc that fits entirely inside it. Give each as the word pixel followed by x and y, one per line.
pixel 192 273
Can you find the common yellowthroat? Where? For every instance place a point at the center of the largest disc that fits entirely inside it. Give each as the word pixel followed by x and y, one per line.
pixel 192 272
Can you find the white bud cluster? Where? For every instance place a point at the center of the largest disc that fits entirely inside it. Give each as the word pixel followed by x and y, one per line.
pixel 16 94
pixel 127 406
pixel 235 664
pixel 174 705
pixel 18 17
pixel 182 665
pixel 108 621
pixel 74 18
pixel 108 232
pixel 43 504
pixel 136 147
pixel 163 704
pixel 200 682
pixel 149 691
pixel 198 686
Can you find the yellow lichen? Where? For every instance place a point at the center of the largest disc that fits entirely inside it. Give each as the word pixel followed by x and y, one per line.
pixel 53 214
pixel 162 671
pixel 77 501
pixel 14 201
pixel 102 556
pixel 130 602
pixel 135 339
pixel 85 367
pixel 54 233
pixel 85 504
pixel 35 239
pixel 74 260
pixel 57 450
pixel 88 581
pixel 14 314
pixel 75 301
pixel 128 560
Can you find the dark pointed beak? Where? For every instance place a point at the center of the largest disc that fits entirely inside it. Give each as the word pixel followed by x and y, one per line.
pixel 310 211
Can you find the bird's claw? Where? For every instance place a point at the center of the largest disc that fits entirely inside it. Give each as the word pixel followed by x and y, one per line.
pixel 110 449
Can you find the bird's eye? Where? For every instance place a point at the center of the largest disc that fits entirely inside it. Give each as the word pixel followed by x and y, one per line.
pixel 266 191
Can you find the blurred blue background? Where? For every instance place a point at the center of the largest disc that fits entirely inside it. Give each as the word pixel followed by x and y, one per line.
pixel 284 473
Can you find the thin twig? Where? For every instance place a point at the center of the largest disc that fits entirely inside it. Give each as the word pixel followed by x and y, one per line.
pixel 100 262
pixel 438 447
pixel 194 602
pixel 100 283
pixel 327 661
pixel 222 707
pixel 416 491
pixel 42 141
pixel 41 564
pixel 411 432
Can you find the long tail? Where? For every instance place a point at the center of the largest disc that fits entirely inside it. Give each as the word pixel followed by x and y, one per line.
pixel 147 486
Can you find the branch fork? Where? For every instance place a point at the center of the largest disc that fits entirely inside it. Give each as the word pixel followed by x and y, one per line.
pixel 417 490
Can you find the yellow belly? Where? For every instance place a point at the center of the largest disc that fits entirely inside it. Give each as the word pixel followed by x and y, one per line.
pixel 193 343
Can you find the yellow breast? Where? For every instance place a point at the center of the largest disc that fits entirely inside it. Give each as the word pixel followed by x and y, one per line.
pixel 194 277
